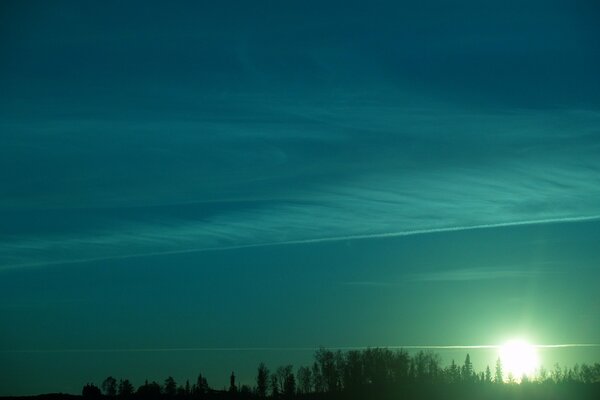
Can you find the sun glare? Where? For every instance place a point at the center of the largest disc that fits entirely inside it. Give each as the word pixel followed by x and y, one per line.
pixel 518 358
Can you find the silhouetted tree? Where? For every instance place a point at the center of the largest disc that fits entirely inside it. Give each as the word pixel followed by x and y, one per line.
pixel 283 373
pixel 317 378
pixel 274 386
pixel 595 373
pixel 109 386
pixel 170 387
pixel 480 377
pixel 353 373
pixel 327 369
pixel 510 378
pixel 149 391
pixel 467 370
pixel 289 385
pixel 586 374
pixel 232 386
pixel 125 389
pixel 262 381
pixel 453 372
pixel 488 375
pixel 543 375
pixel 201 387
pixel 557 374
pixel 434 366
pixel 400 366
pixel 419 366
pixel 375 364
pixel 498 376
pixel 304 380
pixel 91 391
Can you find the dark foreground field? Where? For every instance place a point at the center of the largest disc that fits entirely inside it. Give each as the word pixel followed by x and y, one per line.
pixel 529 391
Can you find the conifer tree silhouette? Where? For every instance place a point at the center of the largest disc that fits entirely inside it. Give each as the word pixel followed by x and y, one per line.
pixel 498 376
pixel 262 381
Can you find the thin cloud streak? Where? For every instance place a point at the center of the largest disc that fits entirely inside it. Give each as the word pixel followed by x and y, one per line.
pixel 475 274
pixel 301 348
pixel 368 283
pixel 316 240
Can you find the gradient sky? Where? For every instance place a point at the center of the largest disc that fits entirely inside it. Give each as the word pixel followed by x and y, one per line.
pixel 225 181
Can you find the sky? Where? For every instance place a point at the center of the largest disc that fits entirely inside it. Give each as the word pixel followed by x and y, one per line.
pixel 195 187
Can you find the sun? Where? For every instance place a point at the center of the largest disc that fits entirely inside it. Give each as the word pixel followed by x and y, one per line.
pixel 518 358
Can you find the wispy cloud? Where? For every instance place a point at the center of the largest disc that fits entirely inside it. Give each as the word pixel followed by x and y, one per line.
pixel 459 275
pixel 359 172
pixel 476 274
pixel 368 283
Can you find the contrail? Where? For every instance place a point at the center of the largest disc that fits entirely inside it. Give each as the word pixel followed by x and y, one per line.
pixel 315 240
pixel 304 348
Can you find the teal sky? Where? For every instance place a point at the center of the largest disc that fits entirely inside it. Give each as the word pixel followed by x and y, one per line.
pixel 239 182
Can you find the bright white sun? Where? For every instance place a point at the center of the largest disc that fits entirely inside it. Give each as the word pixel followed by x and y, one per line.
pixel 518 358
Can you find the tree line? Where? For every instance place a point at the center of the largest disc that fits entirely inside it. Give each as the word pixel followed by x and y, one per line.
pixel 370 373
